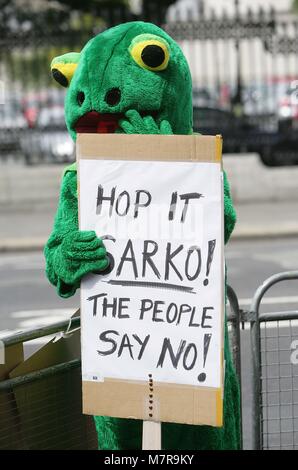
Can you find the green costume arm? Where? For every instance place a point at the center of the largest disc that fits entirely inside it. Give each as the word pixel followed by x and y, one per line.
pixel 70 253
pixel 229 211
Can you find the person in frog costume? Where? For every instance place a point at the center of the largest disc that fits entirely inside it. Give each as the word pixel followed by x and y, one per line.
pixel 131 79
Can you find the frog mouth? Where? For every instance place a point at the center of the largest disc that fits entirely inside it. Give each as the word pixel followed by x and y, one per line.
pixel 94 122
pixel 98 123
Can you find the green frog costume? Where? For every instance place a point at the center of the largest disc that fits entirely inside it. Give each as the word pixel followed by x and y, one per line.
pixel 132 79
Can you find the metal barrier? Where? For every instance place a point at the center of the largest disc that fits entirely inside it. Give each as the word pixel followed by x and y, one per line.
pixel 275 377
pixel 42 409
pixel 234 322
pixel 234 318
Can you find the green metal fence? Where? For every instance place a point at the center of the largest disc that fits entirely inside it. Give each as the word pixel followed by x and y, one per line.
pixel 42 409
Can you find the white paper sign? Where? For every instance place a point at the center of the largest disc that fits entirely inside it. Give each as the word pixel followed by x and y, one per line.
pixel 159 312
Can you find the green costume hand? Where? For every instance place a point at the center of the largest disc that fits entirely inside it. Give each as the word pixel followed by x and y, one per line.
pixel 79 254
pixel 70 253
pixel 136 124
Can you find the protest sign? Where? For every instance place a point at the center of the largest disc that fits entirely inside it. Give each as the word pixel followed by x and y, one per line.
pixel 152 324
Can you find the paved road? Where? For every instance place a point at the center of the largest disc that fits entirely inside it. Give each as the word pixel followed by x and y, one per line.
pixel 249 263
pixel 28 301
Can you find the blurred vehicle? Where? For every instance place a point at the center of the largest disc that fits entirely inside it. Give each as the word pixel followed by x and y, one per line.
pixel 275 105
pixel 265 120
pixel 285 151
pixel 49 141
pixel 288 106
pixel 30 106
pixel 204 97
pixel 259 99
pixel 237 133
pixel 243 134
pixel 278 97
pixel 12 123
pixel 33 102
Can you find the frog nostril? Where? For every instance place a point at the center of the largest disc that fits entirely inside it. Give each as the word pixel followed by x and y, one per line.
pixel 113 96
pixel 80 98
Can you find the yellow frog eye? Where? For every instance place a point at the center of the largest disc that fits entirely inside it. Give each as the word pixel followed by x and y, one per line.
pixel 151 54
